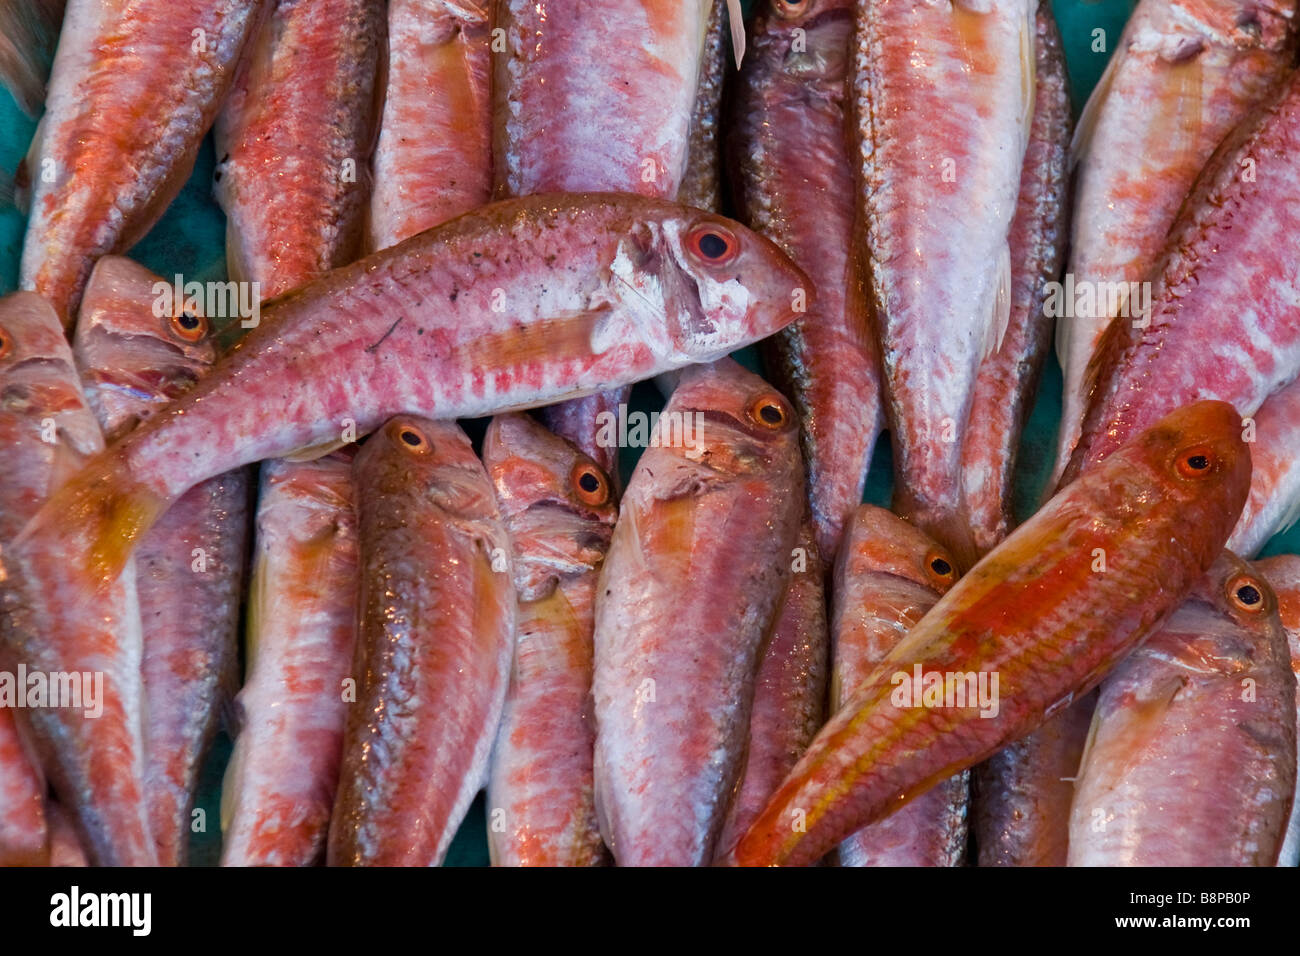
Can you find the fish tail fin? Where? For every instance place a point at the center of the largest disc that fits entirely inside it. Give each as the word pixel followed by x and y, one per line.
pixel 29 30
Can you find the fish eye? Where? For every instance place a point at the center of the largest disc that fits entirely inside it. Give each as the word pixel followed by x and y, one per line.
pixel 769 411
pixel 189 327
pixel 712 244
pixel 412 439
pixel 1196 462
pixel 789 9
pixel 590 484
pixel 6 344
pixel 940 567
pixel 1246 594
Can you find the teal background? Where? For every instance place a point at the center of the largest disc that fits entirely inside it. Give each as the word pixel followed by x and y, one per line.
pixel 190 238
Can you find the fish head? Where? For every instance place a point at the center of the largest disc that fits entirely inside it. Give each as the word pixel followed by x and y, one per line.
pixel 559 505
pixel 138 348
pixel 810 36
pixel 432 458
pixel 718 284
pixel 727 421
pixel 1283 574
pixel 879 542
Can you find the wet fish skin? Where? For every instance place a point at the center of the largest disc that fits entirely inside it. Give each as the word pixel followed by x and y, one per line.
pixel 1274 500
pixel 1184 767
pixel 794 184
pixel 540 781
pixel 132 92
pixel 1159 509
pixel 190 565
pixel 302 622
pixel 95 764
pixel 436 633
pixel 939 127
pixel 1228 245
pixel 303 108
pixel 1282 572
pixel 433 159
pixel 887 577
pixel 1183 74
pixel 701 184
pixel 1008 377
pixel 363 343
pixel 789 691
pixel 688 594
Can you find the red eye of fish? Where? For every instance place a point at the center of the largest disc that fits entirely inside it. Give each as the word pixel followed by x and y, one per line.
pixel 790 9
pixel 590 484
pixel 1246 594
pixel 769 412
pixel 939 566
pixel 189 326
pixel 1196 462
pixel 412 439
pixel 6 344
pixel 712 244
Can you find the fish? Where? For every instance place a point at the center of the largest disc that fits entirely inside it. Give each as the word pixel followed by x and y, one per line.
pixel 1033 615
pixel 1021 795
pixel 436 633
pixel 133 90
pixel 29 30
pixel 594 290
pixel 279 786
pixel 939 127
pixel 1191 758
pixel 1223 321
pixel 95 764
pixel 1008 377
pixel 433 159
pixel 794 183
pixel 24 835
pixel 595 98
pixel 689 592
pixel 134 359
pixel 1282 572
pixel 65 848
pixel 701 184
pixel 887 577
pixel 294 139
pixel 789 691
pixel 1183 74
pixel 559 510
pixel 1274 502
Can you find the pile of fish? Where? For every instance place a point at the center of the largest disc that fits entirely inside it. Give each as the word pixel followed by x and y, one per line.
pixel 443 210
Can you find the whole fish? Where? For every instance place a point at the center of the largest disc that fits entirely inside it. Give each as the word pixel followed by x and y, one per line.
pixel 1191 760
pixel 521 303
pixel 90 745
pixel 29 30
pixel 940 122
pixel 1283 573
pixel 1008 377
pixel 595 97
pixel 190 565
pixel 1034 624
pixel 433 160
pixel 1184 73
pixel 1274 502
pixel 688 595
pixel 437 627
pixel 795 184
pixel 1230 243
pixel 701 184
pixel 888 576
pixel 294 140
pixel 789 691
pixel 1022 794
pixel 134 87
pixel 302 624
pixel 559 510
